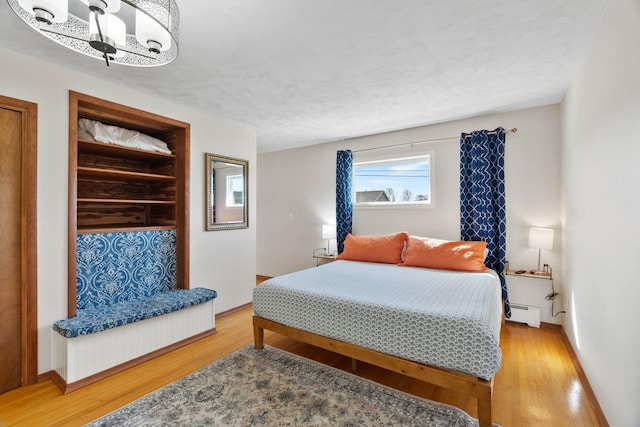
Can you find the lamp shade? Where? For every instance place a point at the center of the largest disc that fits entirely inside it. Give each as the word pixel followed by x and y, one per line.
pixel 150 30
pixel 57 8
pixel 328 231
pixel 541 238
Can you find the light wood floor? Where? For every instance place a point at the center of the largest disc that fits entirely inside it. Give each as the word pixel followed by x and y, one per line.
pixel 537 384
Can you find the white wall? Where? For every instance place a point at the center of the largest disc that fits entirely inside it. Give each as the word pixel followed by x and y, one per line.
pixel 600 179
pixel 297 194
pixel 221 260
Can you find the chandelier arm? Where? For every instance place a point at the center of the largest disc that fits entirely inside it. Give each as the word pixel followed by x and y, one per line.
pixel 44 27
pixel 104 53
pixel 146 54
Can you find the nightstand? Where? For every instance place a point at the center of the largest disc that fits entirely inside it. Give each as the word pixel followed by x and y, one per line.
pixel 532 303
pixel 321 256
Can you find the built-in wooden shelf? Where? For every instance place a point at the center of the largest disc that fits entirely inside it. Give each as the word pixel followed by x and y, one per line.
pixel 116 188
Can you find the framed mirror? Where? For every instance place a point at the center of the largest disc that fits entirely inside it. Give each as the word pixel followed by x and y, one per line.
pixel 227 192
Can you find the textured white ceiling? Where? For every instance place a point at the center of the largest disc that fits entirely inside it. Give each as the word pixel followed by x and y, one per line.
pixel 310 71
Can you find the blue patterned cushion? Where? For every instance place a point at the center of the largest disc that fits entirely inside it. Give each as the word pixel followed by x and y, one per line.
pixel 96 319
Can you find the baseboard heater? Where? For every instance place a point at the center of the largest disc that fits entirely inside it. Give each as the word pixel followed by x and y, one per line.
pixel 525 314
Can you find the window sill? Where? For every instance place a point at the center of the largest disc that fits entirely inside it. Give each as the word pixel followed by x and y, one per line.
pixel 388 206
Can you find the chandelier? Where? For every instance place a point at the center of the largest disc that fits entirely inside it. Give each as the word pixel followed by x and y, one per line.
pixel 139 33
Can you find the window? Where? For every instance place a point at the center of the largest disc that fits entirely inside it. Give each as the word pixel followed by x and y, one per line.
pixel 235 196
pixel 397 181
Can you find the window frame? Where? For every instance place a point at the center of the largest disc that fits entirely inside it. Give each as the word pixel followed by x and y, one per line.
pixel 397 156
pixel 230 203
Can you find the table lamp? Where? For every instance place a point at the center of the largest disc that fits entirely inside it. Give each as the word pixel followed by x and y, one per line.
pixel 540 238
pixel 328 232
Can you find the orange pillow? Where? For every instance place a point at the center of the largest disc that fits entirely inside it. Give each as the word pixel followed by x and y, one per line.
pixel 384 249
pixel 445 255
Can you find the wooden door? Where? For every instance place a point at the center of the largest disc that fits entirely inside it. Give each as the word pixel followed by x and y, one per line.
pixel 10 260
pixel 18 287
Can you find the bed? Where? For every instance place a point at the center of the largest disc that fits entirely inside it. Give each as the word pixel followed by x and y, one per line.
pixel 439 326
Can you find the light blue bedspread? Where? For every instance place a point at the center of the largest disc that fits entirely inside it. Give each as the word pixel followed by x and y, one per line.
pixel 440 318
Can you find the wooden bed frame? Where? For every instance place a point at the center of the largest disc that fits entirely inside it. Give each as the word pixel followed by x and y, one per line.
pixel 472 386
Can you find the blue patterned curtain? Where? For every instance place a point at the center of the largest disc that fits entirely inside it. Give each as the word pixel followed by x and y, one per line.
pixel 482 197
pixel 344 202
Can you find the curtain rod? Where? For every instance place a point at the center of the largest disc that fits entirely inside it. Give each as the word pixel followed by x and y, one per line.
pixel 512 130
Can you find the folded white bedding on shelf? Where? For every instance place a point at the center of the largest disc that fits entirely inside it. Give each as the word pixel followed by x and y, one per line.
pixel 93 130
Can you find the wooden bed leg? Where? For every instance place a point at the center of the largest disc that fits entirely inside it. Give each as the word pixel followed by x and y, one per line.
pixel 258 337
pixel 354 365
pixel 484 411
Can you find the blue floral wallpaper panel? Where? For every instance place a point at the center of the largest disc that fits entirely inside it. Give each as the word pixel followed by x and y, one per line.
pixel 107 263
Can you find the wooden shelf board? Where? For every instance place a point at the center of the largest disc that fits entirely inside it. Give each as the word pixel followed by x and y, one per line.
pixel 120 227
pixel 128 201
pixel 529 273
pixel 324 256
pixel 87 172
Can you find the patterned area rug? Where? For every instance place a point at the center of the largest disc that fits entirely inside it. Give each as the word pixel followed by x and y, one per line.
pixel 276 388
